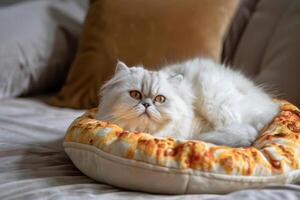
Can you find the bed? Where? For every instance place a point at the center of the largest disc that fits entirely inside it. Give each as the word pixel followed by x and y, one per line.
pixel 33 164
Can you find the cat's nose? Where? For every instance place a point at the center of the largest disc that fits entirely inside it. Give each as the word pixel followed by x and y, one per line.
pixel 146 105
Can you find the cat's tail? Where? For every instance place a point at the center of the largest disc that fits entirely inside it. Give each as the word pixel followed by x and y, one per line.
pixel 235 135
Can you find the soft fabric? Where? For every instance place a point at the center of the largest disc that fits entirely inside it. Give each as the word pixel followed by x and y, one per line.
pixel 37 47
pixel 105 151
pixel 140 31
pixel 33 165
pixel 32 161
pixel 237 28
pixel 269 48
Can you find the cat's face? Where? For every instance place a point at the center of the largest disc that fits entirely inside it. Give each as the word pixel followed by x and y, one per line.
pixel 142 100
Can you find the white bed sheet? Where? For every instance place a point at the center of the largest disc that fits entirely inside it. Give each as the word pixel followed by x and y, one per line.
pixel 33 164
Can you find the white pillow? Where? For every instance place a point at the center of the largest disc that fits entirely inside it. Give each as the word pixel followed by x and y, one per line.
pixel 139 161
pixel 38 41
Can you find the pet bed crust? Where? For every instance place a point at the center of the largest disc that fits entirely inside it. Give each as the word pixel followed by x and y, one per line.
pixel 275 151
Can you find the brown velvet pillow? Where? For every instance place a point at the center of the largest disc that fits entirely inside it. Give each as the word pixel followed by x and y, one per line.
pixel 146 32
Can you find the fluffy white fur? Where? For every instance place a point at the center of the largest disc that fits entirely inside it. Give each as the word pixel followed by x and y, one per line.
pixel 204 100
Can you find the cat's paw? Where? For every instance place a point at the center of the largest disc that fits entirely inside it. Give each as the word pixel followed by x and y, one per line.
pixel 241 135
pixel 249 131
pixel 242 142
pixel 236 135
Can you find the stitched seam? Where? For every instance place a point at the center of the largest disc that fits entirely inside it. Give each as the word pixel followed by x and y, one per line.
pixel 187 184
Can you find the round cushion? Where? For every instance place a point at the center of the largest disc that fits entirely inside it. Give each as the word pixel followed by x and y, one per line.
pixel 142 162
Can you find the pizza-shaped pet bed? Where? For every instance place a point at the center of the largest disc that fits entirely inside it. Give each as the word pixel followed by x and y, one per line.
pixel 142 162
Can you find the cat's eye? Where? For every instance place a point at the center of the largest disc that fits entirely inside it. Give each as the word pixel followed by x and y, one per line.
pixel 135 94
pixel 160 99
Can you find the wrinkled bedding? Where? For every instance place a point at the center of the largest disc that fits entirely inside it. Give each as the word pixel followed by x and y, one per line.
pixel 34 166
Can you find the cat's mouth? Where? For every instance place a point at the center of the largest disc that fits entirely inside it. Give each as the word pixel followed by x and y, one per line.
pixel 145 114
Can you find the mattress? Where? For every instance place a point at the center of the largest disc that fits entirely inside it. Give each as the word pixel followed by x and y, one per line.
pixel 33 164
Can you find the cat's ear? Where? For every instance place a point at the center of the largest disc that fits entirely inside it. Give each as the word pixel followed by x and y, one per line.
pixel 176 78
pixel 121 67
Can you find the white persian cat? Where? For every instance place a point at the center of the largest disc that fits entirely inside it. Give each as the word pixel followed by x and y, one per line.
pixel 197 99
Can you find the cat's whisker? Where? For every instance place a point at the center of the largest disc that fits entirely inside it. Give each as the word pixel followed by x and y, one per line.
pixel 127 115
pixel 155 115
pixel 107 118
pixel 116 117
